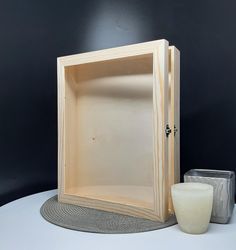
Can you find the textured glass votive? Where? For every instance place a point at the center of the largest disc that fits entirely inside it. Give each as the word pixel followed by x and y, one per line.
pixel 193 205
pixel 223 183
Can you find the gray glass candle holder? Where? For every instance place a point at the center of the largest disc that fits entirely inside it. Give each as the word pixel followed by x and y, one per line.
pixel 223 183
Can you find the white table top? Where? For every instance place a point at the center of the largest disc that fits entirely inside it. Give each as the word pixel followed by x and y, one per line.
pixel 23 228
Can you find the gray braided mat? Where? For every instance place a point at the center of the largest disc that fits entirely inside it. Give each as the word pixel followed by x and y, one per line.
pixel 96 221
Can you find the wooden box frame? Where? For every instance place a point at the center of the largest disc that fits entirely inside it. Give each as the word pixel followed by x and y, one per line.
pixel 165 113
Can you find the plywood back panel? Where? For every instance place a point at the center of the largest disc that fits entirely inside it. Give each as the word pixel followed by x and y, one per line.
pixel 109 109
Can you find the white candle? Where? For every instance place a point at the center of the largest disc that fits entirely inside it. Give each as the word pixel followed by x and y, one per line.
pixel 193 206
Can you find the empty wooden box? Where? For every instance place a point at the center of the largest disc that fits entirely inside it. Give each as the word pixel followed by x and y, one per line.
pixel 118 129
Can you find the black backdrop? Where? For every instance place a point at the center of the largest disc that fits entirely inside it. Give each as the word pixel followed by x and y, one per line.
pixel 34 33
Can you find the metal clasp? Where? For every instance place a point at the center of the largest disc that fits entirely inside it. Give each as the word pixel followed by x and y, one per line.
pixel 175 130
pixel 168 130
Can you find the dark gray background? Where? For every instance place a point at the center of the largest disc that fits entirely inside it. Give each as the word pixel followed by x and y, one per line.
pixel 34 33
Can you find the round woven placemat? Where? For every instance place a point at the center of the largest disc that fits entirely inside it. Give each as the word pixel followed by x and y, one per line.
pixel 96 221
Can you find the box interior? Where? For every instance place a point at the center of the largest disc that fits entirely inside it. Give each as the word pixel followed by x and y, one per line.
pixel 109 130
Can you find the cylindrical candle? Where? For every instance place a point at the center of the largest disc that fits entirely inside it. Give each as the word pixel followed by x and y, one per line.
pixel 193 206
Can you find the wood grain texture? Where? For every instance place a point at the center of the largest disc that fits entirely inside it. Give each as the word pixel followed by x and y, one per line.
pixel 174 113
pixel 112 146
pixel 160 101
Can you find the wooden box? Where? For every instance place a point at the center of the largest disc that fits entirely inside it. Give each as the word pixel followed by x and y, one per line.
pixel 118 129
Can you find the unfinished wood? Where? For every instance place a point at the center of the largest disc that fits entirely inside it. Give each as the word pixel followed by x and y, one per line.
pixel 174 112
pixel 138 196
pixel 160 113
pixel 112 146
pixel 177 116
pixel 113 105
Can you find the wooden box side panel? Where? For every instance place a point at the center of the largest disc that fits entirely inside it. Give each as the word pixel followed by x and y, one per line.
pixel 174 116
pixel 60 117
pixel 177 116
pixel 112 53
pixel 110 207
pixel 160 92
